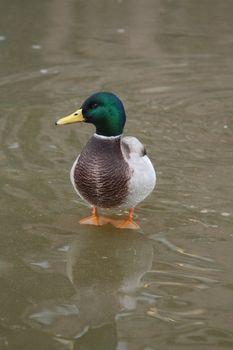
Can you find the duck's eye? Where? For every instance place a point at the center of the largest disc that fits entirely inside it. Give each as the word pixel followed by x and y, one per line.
pixel 94 105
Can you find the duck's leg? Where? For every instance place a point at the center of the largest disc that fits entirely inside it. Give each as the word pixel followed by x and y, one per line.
pixel 94 219
pixel 128 223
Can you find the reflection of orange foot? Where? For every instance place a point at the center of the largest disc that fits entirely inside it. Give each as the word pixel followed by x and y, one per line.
pixel 94 219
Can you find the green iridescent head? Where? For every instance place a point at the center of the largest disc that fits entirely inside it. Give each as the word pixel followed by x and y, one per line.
pixel 103 109
pixel 106 112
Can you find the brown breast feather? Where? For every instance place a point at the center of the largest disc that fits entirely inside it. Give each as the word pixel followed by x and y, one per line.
pixel 101 174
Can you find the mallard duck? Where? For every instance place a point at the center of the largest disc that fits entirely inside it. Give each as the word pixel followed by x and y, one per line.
pixel 111 171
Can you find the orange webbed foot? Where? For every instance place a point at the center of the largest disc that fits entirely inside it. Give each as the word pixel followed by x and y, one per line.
pixel 94 219
pixel 126 224
pixel 98 220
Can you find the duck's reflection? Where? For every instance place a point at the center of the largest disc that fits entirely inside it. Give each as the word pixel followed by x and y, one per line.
pixel 104 267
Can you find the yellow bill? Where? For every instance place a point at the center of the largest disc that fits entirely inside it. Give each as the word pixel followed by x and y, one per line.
pixel 72 118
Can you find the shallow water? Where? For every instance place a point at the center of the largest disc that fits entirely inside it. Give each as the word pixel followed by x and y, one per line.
pixel 169 285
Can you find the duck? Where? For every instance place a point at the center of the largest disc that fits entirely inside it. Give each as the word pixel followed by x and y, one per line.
pixel 112 171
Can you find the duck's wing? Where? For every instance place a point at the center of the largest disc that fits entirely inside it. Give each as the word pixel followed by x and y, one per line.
pixel 132 147
pixel 142 174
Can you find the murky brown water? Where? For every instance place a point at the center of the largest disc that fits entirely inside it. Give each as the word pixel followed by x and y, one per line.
pixel 66 286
